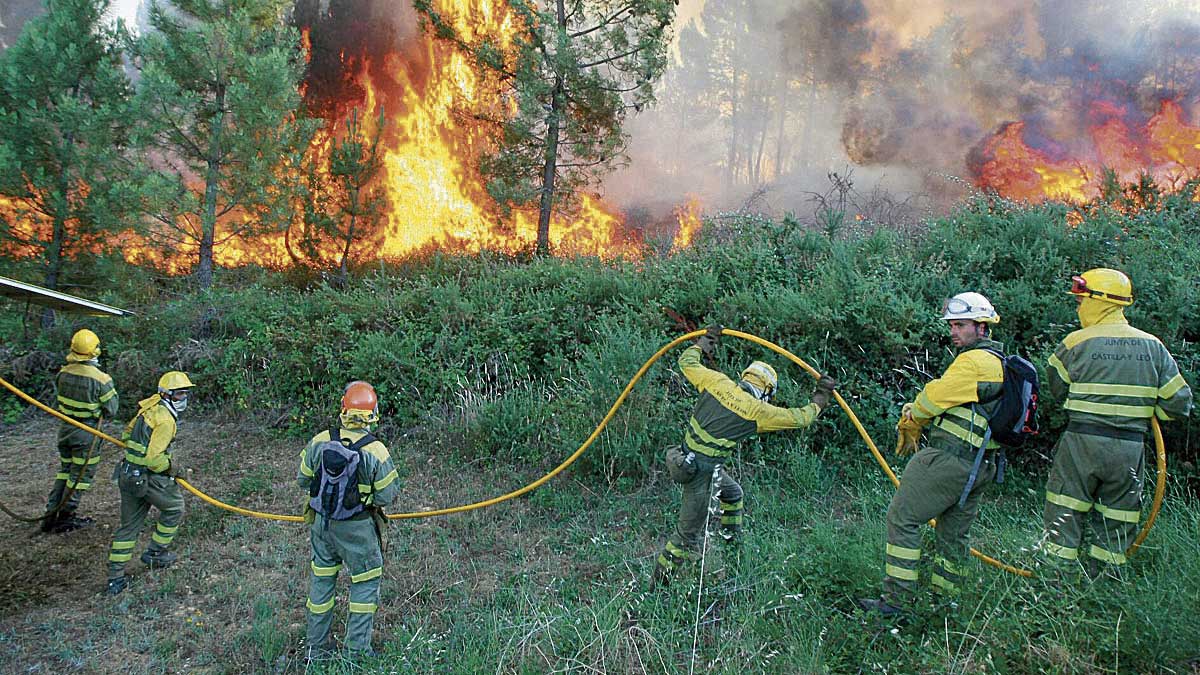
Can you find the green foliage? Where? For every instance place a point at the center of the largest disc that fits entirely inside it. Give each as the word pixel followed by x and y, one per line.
pixel 65 124
pixel 219 84
pixel 517 361
pixel 572 76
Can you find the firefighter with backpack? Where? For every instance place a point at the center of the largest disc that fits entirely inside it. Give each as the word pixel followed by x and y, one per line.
pixel 946 478
pixel 350 478
pixel 1113 378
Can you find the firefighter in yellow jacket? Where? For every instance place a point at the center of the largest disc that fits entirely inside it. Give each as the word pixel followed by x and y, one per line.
pixel 1114 378
pixel 958 405
pixel 350 478
pixel 726 413
pixel 146 478
pixel 85 394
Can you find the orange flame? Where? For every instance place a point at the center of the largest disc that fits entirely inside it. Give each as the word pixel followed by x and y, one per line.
pixel 1166 147
pixel 688 217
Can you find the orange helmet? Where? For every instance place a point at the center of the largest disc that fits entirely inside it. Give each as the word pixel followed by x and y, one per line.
pixel 360 403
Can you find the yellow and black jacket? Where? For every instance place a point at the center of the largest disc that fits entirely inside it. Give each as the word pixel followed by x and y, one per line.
pixel 726 413
pixel 1116 376
pixel 953 401
pixel 148 435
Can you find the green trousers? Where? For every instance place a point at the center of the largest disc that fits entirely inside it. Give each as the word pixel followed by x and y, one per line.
pixel 140 490
pixel 76 468
pixel 1097 479
pixel 684 543
pixel 354 544
pixel 930 487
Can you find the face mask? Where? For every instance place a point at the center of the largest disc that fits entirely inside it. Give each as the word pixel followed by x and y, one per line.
pixel 178 406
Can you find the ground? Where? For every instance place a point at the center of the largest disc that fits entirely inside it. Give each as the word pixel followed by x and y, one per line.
pixel 556 581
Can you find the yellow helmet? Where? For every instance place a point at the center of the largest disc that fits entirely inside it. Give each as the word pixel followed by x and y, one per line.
pixel 1104 284
pixel 762 376
pixel 85 344
pixel 173 380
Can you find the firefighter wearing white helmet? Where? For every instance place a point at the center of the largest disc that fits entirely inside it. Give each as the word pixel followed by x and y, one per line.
pixel 957 407
pixel 349 476
pixel 146 478
pixel 85 394
pixel 1113 378
pixel 726 413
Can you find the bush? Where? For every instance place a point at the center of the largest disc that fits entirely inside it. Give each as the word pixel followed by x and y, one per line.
pixel 519 359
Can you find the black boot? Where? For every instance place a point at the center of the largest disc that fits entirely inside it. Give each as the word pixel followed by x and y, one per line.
pixel 71 522
pixel 881 608
pixel 159 558
pixel 116 585
pixel 50 522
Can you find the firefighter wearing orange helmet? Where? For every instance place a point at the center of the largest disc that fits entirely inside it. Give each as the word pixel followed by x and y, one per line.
pixel 85 394
pixel 1113 378
pixel 350 478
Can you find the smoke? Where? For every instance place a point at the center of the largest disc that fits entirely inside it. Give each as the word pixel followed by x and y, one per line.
pixel 348 35
pixel 13 15
pixel 900 92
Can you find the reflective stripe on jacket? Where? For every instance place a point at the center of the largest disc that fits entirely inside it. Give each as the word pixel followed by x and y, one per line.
pixel 377 476
pixel 1115 375
pixel 975 375
pixel 84 392
pixel 726 413
pixel 148 435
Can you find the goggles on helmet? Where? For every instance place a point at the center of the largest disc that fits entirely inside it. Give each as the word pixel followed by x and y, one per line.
pixel 1079 286
pixel 956 306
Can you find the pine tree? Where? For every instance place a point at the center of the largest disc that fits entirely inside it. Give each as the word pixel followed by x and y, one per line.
pixel 572 74
pixel 65 124
pixel 220 84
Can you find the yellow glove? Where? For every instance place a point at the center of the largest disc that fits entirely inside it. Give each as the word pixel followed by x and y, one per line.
pixel 310 514
pixel 908 432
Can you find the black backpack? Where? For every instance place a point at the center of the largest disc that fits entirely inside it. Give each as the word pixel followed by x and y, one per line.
pixel 1014 420
pixel 334 493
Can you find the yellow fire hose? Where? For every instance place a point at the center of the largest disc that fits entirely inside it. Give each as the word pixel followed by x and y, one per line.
pixel 1161 457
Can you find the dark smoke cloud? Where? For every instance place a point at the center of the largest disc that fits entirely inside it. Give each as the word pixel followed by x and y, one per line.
pixel 347 35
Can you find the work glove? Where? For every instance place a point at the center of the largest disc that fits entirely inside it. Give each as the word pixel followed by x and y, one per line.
pixel 708 342
pixel 381 527
pixel 310 514
pixel 176 469
pixel 824 392
pixel 908 432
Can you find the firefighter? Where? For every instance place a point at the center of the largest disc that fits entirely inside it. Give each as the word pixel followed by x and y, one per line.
pixel 958 404
pixel 85 393
pixel 350 478
pixel 725 413
pixel 146 478
pixel 1114 378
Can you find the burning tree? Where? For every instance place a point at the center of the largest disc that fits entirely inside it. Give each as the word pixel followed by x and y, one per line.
pixel 65 120
pixel 571 72
pixel 219 79
pixel 340 203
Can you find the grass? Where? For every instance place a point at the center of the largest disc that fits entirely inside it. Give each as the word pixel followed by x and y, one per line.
pixel 555 581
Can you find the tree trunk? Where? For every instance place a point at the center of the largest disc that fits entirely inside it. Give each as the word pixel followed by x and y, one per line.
pixel 58 235
pixel 550 163
pixel 54 255
pixel 345 270
pixel 208 220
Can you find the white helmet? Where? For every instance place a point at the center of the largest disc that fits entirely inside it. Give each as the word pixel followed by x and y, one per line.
pixel 971 306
